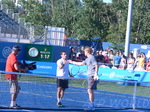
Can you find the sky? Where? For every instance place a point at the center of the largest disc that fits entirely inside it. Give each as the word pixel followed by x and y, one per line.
pixel 107 1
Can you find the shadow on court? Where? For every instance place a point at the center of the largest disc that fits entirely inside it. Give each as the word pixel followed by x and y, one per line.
pixel 41 97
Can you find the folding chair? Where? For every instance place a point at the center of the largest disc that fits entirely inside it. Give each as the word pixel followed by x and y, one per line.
pixel 136 77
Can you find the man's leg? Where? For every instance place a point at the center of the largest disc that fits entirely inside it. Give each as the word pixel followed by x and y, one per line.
pixel 14 90
pixel 61 86
pixel 62 92
pixel 58 94
pixel 13 99
pixel 91 95
pixel 92 85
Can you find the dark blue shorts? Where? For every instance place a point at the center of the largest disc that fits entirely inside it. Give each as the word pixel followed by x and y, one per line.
pixel 62 83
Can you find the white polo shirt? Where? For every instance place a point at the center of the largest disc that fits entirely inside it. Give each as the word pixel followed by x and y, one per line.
pixel 64 71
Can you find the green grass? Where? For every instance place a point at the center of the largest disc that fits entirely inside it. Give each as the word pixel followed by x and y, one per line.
pixel 104 86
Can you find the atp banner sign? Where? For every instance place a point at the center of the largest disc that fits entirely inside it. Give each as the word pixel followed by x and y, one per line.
pixel 42 53
pixel 6 49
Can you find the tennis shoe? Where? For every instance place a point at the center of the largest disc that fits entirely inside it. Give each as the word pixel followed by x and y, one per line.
pixel 59 104
pixel 15 107
pixel 90 107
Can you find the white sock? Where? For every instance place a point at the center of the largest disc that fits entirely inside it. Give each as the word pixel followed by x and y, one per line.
pixel 58 99
pixel 13 103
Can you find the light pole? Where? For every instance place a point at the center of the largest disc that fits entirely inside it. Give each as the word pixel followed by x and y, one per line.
pixel 128 30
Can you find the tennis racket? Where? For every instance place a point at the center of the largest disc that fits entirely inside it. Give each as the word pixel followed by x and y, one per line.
pixel 75 70
pixel 85 82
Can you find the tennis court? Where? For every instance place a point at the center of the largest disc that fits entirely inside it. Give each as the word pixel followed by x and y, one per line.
pixel 39 94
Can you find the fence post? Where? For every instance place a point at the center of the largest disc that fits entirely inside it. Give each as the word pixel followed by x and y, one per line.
pixel 134 95
pixel 19 35
pixel 45 37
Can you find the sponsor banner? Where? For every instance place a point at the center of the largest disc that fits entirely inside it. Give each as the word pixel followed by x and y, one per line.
pixel 43 68
pixel 39 53
pixel 6 49
pixel 117 75
pixel 49 68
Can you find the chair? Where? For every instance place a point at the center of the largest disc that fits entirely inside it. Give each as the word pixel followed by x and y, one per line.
pixel 134 78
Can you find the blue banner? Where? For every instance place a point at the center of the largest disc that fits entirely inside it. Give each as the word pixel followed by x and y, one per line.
pixel 49 68
pixel 6 49
pixel 43 68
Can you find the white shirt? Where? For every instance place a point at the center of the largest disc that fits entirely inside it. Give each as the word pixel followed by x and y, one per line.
pixel 64 71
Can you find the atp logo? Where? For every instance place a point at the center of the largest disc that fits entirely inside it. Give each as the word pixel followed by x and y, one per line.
pixel 6 51
pixel 112 74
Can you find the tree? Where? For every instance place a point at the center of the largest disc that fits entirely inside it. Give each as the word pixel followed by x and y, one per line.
pixel 92 18
pixel 36 13
pixel 141 22
pixel 117 29
pixel 91 22
pixel 10 4
pixel 80 21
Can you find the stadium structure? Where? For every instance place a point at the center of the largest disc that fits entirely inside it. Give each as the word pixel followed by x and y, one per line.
pixel 13 28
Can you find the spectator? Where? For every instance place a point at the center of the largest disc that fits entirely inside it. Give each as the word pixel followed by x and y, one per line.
pixel 136 62
pixel 100 58
pixel 72 54
pixel 97 53
pixel 141 62
pixel 117 59
pixel 106 59
pixel 148 65
pixel 123 62
pixel 111 58
pixel 80 55
pixel 130 62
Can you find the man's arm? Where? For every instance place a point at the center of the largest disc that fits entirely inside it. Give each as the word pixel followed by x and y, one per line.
pixel 75 63
pixel 20 64
pixel 96 68
pixel 19 69
pixel 62 65
pixel 96 72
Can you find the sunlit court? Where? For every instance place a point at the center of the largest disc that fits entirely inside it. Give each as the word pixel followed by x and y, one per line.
pixel 38 93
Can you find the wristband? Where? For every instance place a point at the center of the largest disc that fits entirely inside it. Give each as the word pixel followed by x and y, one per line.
pixel 95 74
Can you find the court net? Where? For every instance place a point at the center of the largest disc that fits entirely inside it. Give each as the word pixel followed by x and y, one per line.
pixel 39 92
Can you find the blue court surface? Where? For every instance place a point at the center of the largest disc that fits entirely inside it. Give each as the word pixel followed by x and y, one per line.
pixel 41 97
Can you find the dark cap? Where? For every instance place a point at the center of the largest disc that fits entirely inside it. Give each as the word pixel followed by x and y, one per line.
pixel 16 48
